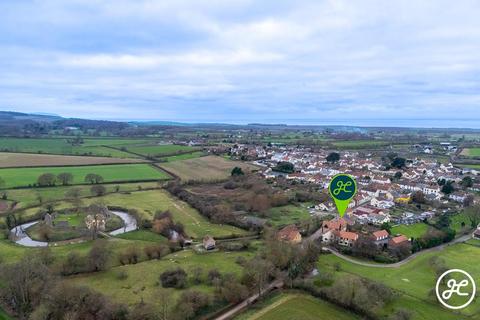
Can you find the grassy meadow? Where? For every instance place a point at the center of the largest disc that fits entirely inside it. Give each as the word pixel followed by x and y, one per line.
pixel 160 150
pixel 31 197
pixel 22 177
pixel 471 152
pixel 360 144
pixel 290 306
pixel 285 215
pixel 142 279
pixel 184 156
pixel 415 230
pixel 11 160
pixel 97 147
pixel 416 278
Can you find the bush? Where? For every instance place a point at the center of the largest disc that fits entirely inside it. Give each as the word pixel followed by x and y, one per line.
pixel 174 278
pixel 242 261
pixel 98 190
pixel 213 275
pixel 234 246
pixel 121 275
pixel 383 258
pixel 191 303
pixel 129 256
pixel 324 279
pixel 156 251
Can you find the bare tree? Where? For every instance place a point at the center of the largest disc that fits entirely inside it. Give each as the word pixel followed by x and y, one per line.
pixel 93 178
pixel 74 196
pixel 259 271
pixel 98 190
pixel 24 283
pixel 65 178
pixel 46 179
pixel 99 255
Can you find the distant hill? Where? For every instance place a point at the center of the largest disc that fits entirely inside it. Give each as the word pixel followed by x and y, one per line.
pixel 18 124
pixel 11 115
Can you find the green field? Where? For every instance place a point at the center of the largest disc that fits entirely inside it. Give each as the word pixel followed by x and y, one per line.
pixel 410 231
pixel 74 220
pixel 470 166
pixel 184 156
pixel 61 146
pixel 416 278
pixel 143 235
pixel 471 152
pixel 293 306
pixel 358 144
pixel 11 252
pixel 21 177
pixel 160 150
pixel 115 142
pixel 456 223
pixel 142 278
pixel 30 197
pixel 281 216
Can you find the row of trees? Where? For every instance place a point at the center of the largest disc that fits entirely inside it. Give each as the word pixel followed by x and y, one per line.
pixel 65 179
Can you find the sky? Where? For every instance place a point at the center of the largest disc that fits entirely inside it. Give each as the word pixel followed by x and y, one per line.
pixel 242 61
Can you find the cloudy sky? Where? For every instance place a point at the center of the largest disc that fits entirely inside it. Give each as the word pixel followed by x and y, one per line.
pixel 241 60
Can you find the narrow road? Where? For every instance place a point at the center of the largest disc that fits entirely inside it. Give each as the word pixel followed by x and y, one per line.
pixel 239 307
pixel 404 261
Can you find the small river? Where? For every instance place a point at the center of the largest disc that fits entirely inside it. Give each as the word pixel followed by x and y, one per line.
pixel 130 224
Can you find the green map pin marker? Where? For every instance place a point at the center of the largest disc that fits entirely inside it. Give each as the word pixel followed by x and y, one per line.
pixel 342 189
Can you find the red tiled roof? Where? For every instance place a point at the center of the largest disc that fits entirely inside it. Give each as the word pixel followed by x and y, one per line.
pixel 348 235
pixel 335 224
pixel 399 239
pixel 288 233
pixel 380 234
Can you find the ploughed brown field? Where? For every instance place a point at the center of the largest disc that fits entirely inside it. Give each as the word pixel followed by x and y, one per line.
pixel 11 160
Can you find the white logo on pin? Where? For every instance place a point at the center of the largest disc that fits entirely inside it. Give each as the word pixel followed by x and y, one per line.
pixel 455 288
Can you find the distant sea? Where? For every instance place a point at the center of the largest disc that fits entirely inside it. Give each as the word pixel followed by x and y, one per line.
pixel 404 123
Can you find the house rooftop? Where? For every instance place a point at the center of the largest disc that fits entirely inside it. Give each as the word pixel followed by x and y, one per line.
pixel 348 235
pixel 380 234
pixel 289 233
pixel 399 239
pixel 335 224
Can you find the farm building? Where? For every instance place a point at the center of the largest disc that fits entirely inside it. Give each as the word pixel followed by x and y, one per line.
pixel 398 241
pixel 289 234
pixel 208 242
